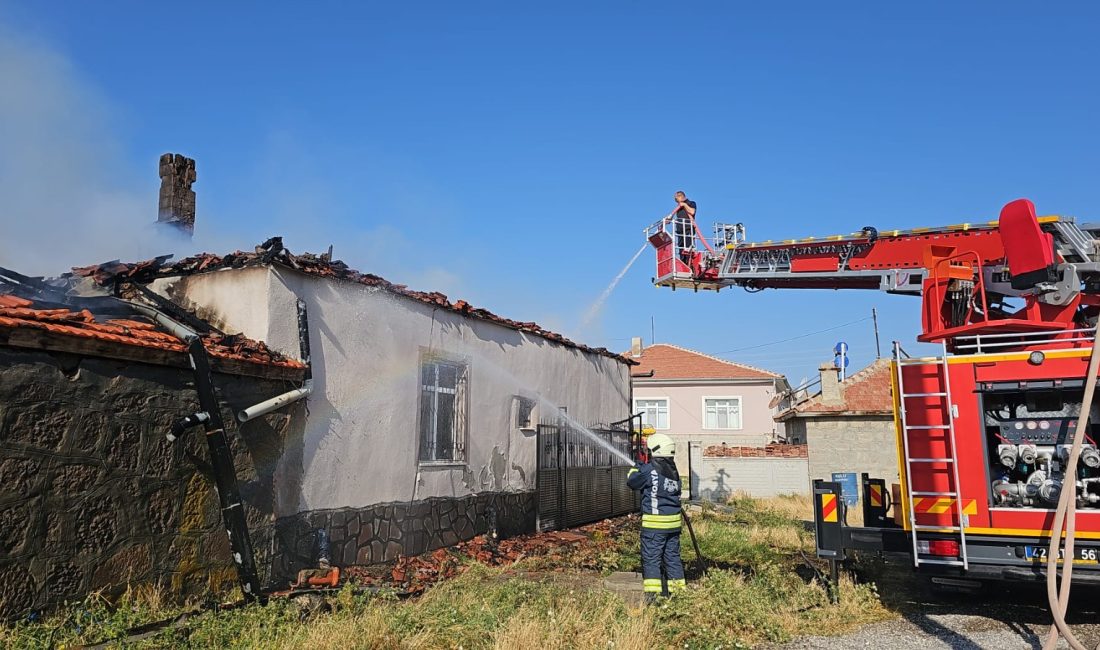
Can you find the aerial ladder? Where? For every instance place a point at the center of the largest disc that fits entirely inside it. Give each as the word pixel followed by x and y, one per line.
pixel 995 432
pixel 961 271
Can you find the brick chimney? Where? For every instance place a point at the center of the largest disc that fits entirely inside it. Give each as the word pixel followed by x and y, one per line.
pixel 636 346
pixel 832 393
pixel 177 199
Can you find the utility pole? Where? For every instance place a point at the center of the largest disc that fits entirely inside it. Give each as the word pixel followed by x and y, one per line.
pixel 874 319
pixel 651 339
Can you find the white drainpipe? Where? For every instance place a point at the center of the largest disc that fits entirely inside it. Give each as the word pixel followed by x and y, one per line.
pixel 275 403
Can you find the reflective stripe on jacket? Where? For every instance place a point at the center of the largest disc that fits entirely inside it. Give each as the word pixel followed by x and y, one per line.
pixel 660 505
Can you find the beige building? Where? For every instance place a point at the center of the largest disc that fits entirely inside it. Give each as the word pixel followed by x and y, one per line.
pixel 693 396
pixel 848 426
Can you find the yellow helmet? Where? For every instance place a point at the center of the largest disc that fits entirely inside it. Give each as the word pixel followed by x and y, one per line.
pixel 661 445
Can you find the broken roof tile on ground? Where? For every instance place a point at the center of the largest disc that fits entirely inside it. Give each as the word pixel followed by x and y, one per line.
pixel 576 550
pixel 273 252
pixel 18 313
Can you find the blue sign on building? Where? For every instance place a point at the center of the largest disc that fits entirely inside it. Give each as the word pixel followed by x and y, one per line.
pixel 849 486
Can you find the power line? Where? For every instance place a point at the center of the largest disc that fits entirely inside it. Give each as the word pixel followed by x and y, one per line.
pixel 795 338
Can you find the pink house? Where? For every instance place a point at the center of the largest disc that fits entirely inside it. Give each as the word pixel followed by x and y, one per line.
pixel 693 396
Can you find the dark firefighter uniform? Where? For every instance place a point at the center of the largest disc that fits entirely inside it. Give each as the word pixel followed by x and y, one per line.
pixel 659 484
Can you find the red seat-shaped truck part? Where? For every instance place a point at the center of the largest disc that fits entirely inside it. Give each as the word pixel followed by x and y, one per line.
pixel 1028 250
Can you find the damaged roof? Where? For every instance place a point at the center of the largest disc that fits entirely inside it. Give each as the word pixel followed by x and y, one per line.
pixel 668 361
pixel 273 252
pixel 19 314
pixel 867 392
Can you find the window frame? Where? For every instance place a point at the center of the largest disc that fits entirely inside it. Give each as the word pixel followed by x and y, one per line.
pixel 740 412
pixel 668 409
pixel 519 402
pixel 460 436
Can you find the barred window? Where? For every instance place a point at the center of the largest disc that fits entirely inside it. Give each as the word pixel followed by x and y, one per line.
pixel 443 390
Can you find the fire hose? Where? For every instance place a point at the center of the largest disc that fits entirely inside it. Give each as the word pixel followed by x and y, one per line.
pixel 700 561
pixel 1066 515
pixel 694 228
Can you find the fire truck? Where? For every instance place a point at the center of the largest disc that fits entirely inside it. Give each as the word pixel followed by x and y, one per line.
pixel 984 428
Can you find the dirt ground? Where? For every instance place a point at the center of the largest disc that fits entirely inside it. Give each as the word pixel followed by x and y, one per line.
pixel 1002 616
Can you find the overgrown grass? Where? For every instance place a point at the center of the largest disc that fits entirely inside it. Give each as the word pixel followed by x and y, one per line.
pixel 759 588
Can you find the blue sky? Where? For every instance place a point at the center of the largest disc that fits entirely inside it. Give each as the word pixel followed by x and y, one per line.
pixel 511 156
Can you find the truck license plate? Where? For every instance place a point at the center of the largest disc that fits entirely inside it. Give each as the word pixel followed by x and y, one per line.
pixel 1081 555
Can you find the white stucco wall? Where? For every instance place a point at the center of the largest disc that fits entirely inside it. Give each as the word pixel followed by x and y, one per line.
pixel 360 444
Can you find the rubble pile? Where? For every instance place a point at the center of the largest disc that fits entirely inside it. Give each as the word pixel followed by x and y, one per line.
pixel 577 549
pixel 770 451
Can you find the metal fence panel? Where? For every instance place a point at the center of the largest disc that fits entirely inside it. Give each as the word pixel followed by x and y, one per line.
pixel 579 481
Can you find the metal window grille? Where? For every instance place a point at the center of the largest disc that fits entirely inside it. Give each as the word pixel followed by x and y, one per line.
pixel 443 391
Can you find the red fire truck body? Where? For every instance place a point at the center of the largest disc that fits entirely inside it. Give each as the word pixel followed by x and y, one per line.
pixel 983 429
pixel 1000 535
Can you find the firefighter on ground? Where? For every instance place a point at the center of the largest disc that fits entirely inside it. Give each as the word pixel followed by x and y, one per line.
pixel 659 484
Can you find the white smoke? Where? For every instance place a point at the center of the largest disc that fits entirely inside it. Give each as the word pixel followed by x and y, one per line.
pixel 65 198
pixel 69 196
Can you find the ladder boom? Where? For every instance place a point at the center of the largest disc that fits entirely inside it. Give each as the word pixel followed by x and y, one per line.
pixel 961 271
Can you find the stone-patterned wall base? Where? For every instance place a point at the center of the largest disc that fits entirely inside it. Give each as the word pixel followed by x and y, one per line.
pixel 381 532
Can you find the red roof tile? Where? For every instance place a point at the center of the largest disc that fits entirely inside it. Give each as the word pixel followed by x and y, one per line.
pixel 19 313
pixel 13 301
pixel 273 252
pixel 769 451
pixel 867 391
pixel 673 362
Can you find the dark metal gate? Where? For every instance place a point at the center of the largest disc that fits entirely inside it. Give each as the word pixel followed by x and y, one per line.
pixel 579 481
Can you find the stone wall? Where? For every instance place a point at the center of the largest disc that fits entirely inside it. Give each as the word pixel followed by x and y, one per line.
pixel 381 532
pixel 852 444
pixel 92 494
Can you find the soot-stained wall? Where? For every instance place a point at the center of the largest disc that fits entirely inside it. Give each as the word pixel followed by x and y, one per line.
pixel 358 472
pixel 92 494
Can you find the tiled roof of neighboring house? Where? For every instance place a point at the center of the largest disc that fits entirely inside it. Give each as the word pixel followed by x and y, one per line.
pixel 273 252
pixel 674 362
pixel 867 391
pixel 18 313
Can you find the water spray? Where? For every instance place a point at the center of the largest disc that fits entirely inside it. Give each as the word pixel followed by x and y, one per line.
pixel 596 306
pixel 547 403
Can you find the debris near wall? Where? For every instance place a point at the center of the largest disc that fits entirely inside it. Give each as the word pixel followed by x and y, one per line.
pixel 769 451
pixel 272 251
pixel 573 550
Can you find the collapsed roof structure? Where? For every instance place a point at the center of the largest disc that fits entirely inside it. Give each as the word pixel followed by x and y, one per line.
pixel 119 274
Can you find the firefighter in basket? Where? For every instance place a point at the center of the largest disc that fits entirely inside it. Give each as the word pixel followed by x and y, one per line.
pixel 659 483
